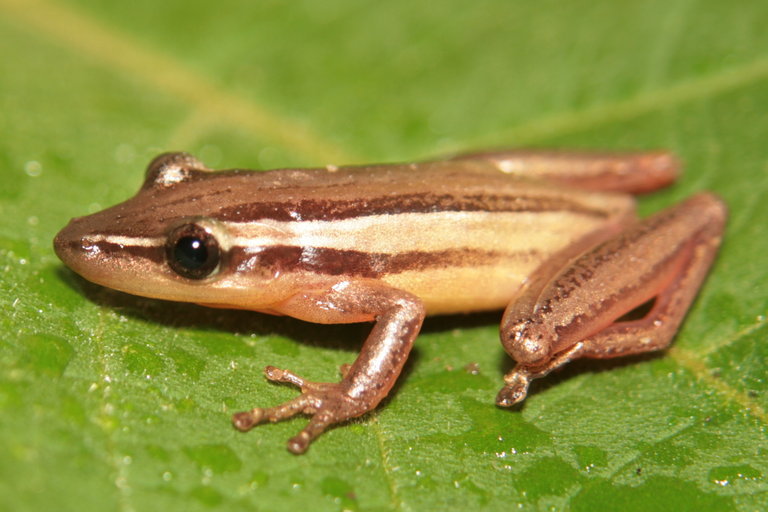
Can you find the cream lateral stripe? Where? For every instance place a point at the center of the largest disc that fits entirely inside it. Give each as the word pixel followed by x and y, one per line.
pixel 418 231
pixel 395 233
pixel 129 241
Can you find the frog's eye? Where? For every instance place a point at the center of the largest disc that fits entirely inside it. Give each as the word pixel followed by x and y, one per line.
pixel 168 169
pixel 192 251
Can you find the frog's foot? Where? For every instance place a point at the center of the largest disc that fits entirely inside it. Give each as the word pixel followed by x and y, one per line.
pixel 324 401
pixel 515 387
pixel 517 381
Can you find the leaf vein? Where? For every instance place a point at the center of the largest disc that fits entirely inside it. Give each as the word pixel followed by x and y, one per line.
pixel 82 33
pixel 558 124
pixel 691 362
pixel 103 421
pixel 386 465
pixel 710 349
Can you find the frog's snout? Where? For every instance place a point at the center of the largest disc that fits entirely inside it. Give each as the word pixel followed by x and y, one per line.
pixel 74 244
pixel 67 241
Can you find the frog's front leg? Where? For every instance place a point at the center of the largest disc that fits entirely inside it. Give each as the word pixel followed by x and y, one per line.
pixel 579 313
pixel 398 316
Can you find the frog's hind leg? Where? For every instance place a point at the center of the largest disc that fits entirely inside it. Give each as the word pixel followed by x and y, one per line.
pixel 662 260
pixel 631 172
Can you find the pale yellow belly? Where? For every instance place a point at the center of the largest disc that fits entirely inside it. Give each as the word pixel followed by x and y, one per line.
pixel 462 290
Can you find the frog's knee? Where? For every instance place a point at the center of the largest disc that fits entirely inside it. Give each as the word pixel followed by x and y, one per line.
pixel 527 342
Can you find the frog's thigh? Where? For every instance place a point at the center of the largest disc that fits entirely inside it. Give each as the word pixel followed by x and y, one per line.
pixel 664 257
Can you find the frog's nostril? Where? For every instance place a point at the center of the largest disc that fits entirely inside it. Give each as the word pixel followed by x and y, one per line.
pixel 70 241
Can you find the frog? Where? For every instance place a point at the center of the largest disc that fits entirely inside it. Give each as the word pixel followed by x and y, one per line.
pixel 552 238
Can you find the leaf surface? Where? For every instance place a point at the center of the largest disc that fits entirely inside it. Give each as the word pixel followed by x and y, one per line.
pixel 111 402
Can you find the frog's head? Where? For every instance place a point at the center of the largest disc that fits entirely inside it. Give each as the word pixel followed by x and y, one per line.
pixel 170 241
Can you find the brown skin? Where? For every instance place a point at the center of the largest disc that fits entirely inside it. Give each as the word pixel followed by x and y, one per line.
pixel 397 316
pixel 670 254
pixel 549 235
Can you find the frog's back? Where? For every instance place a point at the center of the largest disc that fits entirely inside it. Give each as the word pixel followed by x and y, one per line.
pixel 461 235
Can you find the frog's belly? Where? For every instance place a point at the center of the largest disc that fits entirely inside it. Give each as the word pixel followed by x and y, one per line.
pixel 463 289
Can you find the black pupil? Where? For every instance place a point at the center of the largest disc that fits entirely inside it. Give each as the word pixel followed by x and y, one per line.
pixel 191 252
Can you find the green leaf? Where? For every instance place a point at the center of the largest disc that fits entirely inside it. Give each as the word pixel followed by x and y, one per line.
pixel 113 402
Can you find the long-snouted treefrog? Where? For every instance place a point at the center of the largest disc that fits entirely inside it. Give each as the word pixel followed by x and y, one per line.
pixel 550 236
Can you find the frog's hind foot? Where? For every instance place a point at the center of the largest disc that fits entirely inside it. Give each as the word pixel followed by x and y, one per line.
pixel 517 381
pixel 324 401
